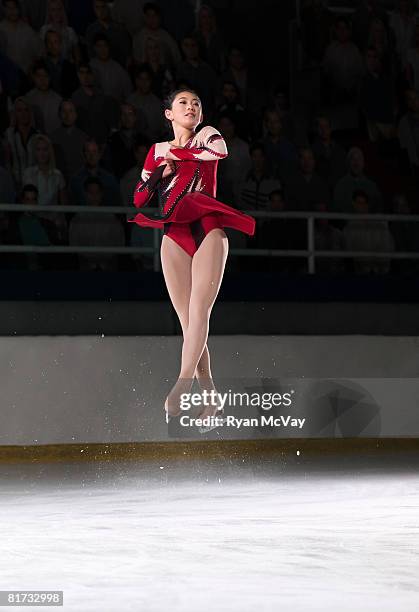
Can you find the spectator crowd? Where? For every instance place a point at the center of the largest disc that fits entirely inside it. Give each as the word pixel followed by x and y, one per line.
pixel 82 84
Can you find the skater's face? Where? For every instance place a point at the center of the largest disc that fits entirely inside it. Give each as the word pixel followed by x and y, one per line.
pixel 186 110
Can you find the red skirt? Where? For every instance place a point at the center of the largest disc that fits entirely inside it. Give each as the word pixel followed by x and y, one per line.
pixel 195 205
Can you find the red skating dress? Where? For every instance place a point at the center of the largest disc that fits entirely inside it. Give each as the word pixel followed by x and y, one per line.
pixel 188 209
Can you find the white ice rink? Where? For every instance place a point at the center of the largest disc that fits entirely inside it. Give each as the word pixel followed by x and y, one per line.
pixel 286 534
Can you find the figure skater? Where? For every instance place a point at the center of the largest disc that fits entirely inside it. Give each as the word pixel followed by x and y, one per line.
pixel 194 246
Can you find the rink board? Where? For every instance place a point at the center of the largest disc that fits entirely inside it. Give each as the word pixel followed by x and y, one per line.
pixel 110 389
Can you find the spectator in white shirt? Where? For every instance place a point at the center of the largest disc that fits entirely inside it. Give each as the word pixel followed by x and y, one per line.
pixel 21 43
pixel 152 29
pixel 57 20
pixel 44 101
pixel 48 180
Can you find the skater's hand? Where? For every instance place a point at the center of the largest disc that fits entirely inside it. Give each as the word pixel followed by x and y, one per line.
pixel 170 167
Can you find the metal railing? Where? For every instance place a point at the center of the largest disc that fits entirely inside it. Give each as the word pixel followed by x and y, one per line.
pixel 311 254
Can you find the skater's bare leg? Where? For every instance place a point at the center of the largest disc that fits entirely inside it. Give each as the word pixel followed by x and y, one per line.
pixel 207 269
pixel 177 271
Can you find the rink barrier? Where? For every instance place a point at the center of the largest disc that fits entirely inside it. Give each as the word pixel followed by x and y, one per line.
pixel 244 450
pixel 310 253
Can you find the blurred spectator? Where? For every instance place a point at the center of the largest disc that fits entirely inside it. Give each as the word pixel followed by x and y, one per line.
pixel 152 29
pixel 198 73
pixel 162 77
pixel 13 81
pixel 408 129
pixel 379 40
pixel 98 114
pixel 91 168
pixel 327 237
pixel 129 14
pixel 212 48
pixel 282 154
pixel 7 188
pixel 367 235
pixel 80 14
pixel 19 140
pixel 412 71
pixel 342 65
pixel 131 177
pixel 63 75
pixel 36 231
pixel 355 180
pixel 377 100
pixel 91 229
pixel 329 155
pixel 233 169
pixel 304 188
pixel 259 183
pixel 230 104
pixel 406 236
pixel 122 142
pixel 363 17
pixel 19 41
pixel 148 105
pixel 119 39
pixel 49 182
pixel 293 128
pixel 237 72
pixel 177 17
pixel 282 233
pixel 402 22
pixel 112 79
pixel 35 12
pixel 57 20
pixel 316 24
pixel 44 101
pixel 68 141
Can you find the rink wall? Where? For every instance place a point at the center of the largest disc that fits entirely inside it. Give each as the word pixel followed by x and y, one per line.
pixel 110 389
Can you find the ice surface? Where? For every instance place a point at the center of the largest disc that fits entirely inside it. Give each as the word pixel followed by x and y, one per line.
pixel 287 534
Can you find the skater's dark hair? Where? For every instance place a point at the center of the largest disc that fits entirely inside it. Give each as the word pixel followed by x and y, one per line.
pixel 170 98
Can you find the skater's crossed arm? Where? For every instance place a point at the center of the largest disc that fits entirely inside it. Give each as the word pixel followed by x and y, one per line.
pixel 153 171
pixel 208 145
